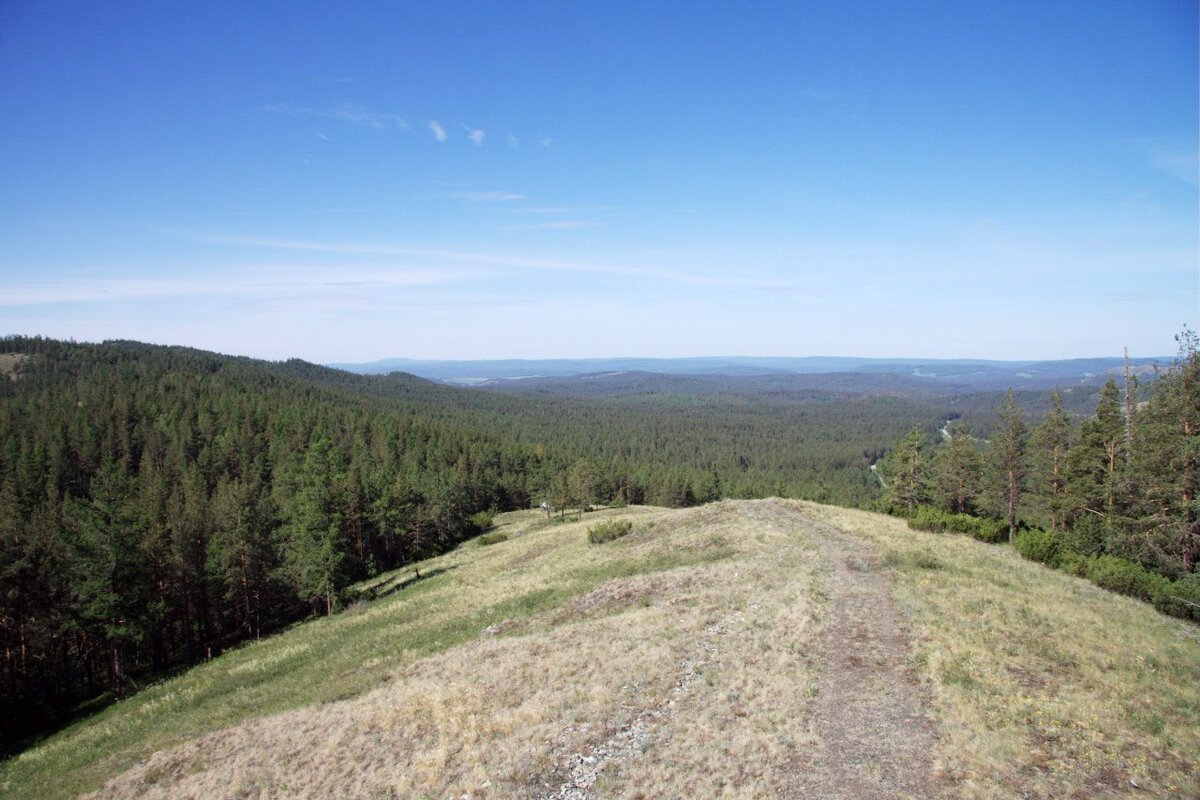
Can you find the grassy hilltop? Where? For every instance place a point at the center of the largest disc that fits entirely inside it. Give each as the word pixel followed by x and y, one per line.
pixel 691 657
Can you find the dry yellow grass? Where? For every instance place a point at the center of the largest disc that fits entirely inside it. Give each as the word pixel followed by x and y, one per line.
pixel 700 597
pixel 716 642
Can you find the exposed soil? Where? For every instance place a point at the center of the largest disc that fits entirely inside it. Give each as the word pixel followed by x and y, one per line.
pixel 875 739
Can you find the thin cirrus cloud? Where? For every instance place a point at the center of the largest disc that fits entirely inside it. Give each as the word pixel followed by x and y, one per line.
pixel 562 225
pixel 1181 164
pixel 1170 155
pixel 733 279
pixel 476 136
pixel 439 132
pixel 560 210
pixel 248 286
pixel 347 112
pixel 488 197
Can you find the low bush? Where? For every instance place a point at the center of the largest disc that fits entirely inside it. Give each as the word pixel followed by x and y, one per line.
pixel 1178 598
pixel 493 538
pixel 1181 598
pixel 1072 563
pixel 607 531
pixel 1039 545
pixel 927 518
pixel 482 520
pixel 1126 577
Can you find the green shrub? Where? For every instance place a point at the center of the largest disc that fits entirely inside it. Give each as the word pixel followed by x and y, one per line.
pixel 607 531
pixel 1086 535
pixel 928 518
pixel 1180 598
pixel 1126 577
pixel 925 518
pixel 493 538
pixel 1072 563
pixel 1061 550
pixel 1039 545
pixel 482 521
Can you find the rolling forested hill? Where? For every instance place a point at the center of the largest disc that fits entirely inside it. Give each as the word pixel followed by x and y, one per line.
pixel 160 504
pixel 938 376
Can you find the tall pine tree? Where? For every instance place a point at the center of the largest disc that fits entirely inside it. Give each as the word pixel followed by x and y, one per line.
pixel 956 470
pixel 1006 454
pixel 1095 467
pixel 908 469
pixel 1166 466
pixel 313 555
pixel 1049 444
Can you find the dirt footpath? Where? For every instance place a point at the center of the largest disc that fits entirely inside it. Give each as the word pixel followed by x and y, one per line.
pixel 874 738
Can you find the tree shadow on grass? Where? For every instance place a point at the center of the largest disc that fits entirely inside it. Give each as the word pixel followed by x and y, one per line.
pixel 393 585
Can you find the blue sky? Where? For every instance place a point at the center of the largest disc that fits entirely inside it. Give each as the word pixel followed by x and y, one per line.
pixel 352 181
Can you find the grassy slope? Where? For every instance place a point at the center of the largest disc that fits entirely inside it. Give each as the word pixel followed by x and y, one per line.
pixel 539 580
pixel 1043 684
pixel 1047 685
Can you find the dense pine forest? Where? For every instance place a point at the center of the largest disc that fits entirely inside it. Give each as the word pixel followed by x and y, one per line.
pixel 160 504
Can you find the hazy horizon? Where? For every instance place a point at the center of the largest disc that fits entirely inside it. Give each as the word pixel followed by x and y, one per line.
pixel 1163 354
pixel 352 182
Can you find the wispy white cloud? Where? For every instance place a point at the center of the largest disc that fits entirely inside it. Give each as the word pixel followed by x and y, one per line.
pixel 353 114
pixel 347 112
pixel 732 277
pixel 1181 164
pixel 253 284
pixel 559 210
pixel 1176 156
pixel 488 197
pixel 563 225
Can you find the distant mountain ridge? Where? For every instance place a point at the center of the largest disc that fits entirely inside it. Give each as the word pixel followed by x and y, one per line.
pixel 961 374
